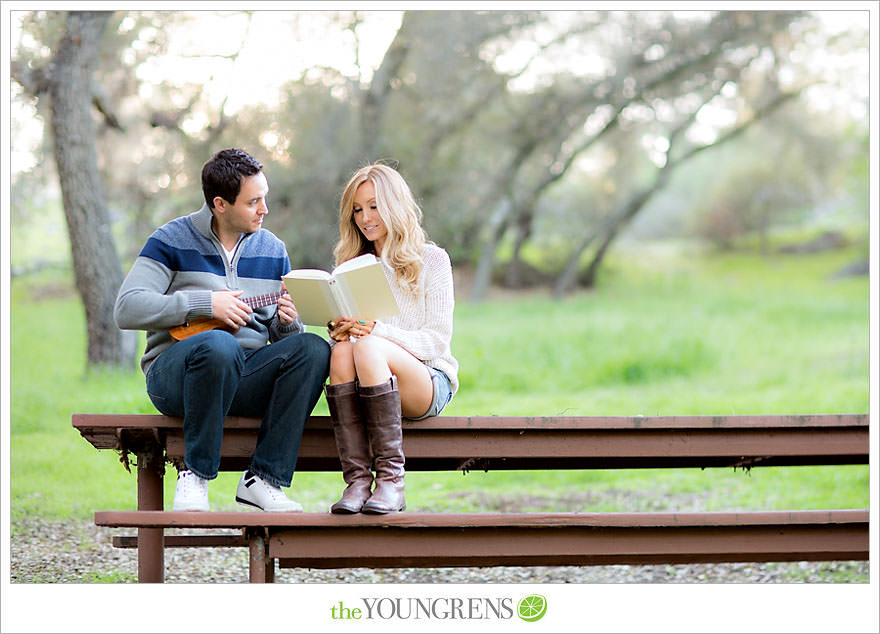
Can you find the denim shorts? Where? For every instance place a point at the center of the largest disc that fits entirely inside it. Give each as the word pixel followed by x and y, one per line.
pixel 442 393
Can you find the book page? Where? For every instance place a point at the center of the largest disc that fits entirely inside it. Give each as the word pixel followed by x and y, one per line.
pixel 366 292
pixel 313 300
pixel 355 263
pixel 308 274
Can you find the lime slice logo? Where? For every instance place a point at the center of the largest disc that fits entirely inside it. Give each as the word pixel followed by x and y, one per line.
pixel 532 608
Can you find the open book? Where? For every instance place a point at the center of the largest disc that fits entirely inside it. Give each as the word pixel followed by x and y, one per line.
pixel 356 288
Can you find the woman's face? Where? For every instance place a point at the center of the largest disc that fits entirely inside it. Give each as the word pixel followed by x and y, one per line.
pixel 366 215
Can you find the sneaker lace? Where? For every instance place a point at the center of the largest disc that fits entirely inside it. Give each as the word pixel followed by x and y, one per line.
pixel 275 492
pixel 191 483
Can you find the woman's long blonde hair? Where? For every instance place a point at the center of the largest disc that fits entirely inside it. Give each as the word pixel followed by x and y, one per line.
pixel 402 216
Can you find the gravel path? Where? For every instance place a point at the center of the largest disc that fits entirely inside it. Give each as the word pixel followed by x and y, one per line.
pixel 79 552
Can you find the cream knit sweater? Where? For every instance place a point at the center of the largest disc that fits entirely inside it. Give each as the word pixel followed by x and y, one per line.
pixel 424 325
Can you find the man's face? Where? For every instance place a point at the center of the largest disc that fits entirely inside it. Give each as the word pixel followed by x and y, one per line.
pixel 245 215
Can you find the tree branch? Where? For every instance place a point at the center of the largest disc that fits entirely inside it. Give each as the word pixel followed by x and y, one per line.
pixel 102 103
pixel 35 81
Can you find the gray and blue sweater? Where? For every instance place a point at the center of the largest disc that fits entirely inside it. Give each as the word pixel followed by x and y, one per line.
pixel 181 264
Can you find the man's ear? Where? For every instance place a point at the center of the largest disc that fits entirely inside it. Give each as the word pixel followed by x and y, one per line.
pixel 219 204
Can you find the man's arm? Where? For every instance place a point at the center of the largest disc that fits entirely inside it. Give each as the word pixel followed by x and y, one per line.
pixel 142 304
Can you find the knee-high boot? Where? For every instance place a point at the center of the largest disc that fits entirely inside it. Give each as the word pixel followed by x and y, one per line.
pixel 381 406
pixel 352 445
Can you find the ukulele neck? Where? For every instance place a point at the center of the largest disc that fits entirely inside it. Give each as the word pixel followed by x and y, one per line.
pixel 258 301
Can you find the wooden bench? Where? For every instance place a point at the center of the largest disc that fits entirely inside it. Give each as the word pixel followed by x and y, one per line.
pixel 490 539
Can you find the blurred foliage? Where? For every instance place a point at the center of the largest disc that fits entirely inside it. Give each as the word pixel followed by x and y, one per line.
pixel 521 132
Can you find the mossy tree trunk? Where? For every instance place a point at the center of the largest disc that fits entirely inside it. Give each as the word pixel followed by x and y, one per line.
pixel 95 261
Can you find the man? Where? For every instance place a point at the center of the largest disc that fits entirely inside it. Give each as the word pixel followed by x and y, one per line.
pixel 205 265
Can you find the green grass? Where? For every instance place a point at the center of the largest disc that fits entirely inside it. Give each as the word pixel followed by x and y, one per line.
pixel 718 334
pixel 728 335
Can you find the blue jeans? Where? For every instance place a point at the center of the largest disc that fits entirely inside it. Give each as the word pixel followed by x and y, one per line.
pixel 209 375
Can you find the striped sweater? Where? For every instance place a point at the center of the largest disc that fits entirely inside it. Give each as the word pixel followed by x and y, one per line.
pixel 181 264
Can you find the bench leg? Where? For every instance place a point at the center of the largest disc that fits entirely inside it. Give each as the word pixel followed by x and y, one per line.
pixel 261 567
pixel 151 545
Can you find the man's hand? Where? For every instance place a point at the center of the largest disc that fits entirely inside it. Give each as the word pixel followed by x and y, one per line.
pixel 226 307
pixel 286 310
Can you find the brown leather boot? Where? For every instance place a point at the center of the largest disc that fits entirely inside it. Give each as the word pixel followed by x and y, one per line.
pixel 351 444
pixel 381 405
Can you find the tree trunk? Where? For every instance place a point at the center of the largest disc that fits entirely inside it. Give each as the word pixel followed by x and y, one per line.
pixel 483 273
pixel 568 277
pixel 513 276
pixel 375 98
pixel 95 261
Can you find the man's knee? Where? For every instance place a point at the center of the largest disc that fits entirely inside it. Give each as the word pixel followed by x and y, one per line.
pixel 308 347
pixel 219 347
pixel 317 349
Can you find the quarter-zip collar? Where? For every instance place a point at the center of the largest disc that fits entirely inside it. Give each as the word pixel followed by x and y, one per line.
pixel 201 221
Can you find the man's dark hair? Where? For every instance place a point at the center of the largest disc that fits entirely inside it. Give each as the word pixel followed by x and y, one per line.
pixel 222 174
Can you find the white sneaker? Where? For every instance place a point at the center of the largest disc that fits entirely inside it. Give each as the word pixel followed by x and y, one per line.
pixel 191 493
pixel 254 491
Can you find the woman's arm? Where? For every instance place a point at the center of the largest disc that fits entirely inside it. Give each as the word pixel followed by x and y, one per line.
pixel 431 339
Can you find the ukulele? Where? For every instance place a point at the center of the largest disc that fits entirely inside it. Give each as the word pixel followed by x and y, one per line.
pixel 201 324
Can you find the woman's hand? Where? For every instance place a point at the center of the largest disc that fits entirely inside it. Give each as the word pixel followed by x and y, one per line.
pixel 338 329
pixel 362 328
pixel 344 327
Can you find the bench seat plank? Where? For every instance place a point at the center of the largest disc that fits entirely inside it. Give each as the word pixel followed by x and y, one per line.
pixel 741 421
pixel 322 540
pixel 515 443
pixel 244 519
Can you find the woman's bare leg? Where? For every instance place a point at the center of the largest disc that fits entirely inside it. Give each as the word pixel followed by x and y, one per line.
pixel 342 363
pixel 376 359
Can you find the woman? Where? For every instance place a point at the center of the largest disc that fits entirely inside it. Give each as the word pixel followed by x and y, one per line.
pixel 381 371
